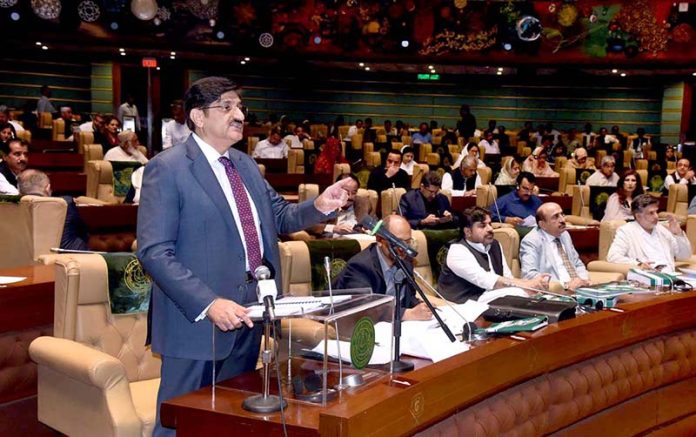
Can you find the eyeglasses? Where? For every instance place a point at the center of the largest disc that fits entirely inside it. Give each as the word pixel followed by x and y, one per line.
pixel 228 105
pixel 432 191
pixel 411 242
pixel 526 189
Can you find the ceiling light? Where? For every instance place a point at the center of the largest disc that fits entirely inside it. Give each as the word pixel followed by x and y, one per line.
pixel 158 69
pixel 44 48
pixel 362 64
pixel 507 46
pixel 15 16
pixel 499 73
pixel 405 43
pixel 220 34
pixel 121 50
pixel 172 57
pixel 38 43
pixel 123 53
pixel 172 53
pixel 623 74
pixel 367 68
pixel 500 68
pixel 247 59
pixel 694 73
pixel 317 40
pixel 614 70
pixel 430 67
pixel 243 62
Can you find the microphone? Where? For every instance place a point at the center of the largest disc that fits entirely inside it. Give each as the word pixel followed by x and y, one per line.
pixel 327 267
pixel 266 291
pixel 376 228
pixel 495 202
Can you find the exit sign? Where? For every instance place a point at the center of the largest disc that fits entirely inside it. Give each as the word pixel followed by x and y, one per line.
pixel 149 62
pixel 427 76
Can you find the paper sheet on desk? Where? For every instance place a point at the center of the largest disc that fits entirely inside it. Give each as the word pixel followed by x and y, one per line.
pixel 421 339
pixel 500 292
pixel 529 221
pixel 5 280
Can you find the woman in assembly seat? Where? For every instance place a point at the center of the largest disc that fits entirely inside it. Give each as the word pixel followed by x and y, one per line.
pixel 619 203
pixel 111 127
pixel 537 164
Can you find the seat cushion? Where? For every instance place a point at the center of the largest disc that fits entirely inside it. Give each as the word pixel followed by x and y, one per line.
pixel 144 394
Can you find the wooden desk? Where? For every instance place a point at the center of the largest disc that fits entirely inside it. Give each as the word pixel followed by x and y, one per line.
pixel 68 183
pixel 39 145
pixel 461 203
pixel 547 183
pixel 289 182
pixel 56 161
pixel 111 228
pixel 274 165
pixel 26 312
pixel 438 391
pixel 586 242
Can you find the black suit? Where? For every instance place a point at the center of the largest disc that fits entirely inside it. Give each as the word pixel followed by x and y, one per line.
pixel 75 231
pixel 414 209
pixel 379 181
pixel 364 270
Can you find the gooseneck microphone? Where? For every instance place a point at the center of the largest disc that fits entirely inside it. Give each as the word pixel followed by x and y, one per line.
pixel 376 228
pixel 266 290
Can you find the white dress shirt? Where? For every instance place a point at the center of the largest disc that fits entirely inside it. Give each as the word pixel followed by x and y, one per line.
pixel 598 179
pixel 408 167
pixel 118 154
pixel 539 254
pixel 491 148
pixel 294 140
pixel 463 264
pixel 669 180
pixel 174 133
pixel 6 187
pixel 344 217
pixel 87 126
pixel 447 184
pixel 265 150
pixel 633 245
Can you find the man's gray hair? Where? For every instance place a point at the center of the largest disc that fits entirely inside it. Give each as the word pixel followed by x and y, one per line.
pixel 469 162
pixel 32 182
pixel 643 201
pixel 607 159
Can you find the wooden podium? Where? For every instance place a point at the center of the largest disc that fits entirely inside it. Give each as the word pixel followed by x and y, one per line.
pixel 415 401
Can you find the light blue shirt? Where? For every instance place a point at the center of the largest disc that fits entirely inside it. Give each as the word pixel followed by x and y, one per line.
pixel 539 254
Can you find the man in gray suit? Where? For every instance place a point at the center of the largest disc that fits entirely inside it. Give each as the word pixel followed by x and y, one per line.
pixel 207 219
pixel 548 248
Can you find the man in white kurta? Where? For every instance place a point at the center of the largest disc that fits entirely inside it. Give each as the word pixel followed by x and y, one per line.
pixel 644 243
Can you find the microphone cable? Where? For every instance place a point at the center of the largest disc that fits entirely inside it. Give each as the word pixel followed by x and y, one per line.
pixel 276 347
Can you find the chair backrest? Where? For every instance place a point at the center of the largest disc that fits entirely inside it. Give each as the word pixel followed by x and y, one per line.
pixel 368 148
pixel 373 159
pixel 82 313
pixel 560 163
pixel 678 199
pixel 24 135
pixel 389 200
pixel 296 161
pixel 406 140
pixel 691 231
pixel 423 150
pixel 642 164
pixel 509 241
pixel 45 120
pixel 251 144
pixel 84 138
pixel 486 195
pixel 372 198
pixel 307 192
pixel 100 181
pixel 566 180
pixel 340 169
pixel 58 130
pixel 607 230
pixel 30 228
pixel 581 201
pixel 486 173
pixel 308 144
pixel 91 152
pixel 419 170
pixel 356 142
pixel 343 131
pixel 262 169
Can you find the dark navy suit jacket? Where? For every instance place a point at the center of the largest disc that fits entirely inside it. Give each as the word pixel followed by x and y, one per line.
pixel 412 207
pixel 190 245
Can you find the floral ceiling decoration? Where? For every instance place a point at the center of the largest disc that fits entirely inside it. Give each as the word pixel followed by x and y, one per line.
pixel 454 29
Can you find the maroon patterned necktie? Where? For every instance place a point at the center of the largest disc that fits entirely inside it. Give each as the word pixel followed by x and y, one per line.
pixel 251 237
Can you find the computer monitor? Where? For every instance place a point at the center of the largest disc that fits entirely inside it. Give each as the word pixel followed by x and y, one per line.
pixel 128 123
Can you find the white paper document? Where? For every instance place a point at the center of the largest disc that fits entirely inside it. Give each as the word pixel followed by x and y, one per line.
pixel 500 292
pixel 5 280
pixel 293 305
pixel 529 221
pixel 380 355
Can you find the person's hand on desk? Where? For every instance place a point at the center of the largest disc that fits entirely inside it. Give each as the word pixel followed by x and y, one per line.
pixel 469 193
pixel 430 220
pixel 228 315
pixel 577 283
pixel 446 217
pixel 343 229
pixel 334 197
pixel 418 312
pixel 513 220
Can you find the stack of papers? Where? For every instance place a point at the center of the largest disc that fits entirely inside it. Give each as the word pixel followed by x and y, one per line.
pixel 294 305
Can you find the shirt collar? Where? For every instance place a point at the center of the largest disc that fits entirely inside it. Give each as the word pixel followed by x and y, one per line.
pixel 382 260
pixel 212 155
pixel 479 246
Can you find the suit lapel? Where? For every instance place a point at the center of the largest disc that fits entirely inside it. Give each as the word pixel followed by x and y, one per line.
pixel 206 179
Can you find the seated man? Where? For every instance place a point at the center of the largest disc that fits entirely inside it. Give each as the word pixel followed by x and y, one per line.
pixel 14 162
pixel 382 178
pixel 489 144
pixel 354 130
pixel 70 122
pixel 96 126
pixel 423 135
pixel 374 267
pixel 175 131
pixel 5 118
pixel 645 243
pixel 464 180
pixel 127 150
pixel 272 147
pixel 347 216
pixel 426 207
pixel 605 177
pixel 683 175
pixel 297 138
pixel 548 248
pixel 36 183
pixel 475 264
pixel 519 204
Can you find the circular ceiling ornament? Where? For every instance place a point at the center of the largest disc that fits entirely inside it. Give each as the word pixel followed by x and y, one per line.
pixel 266 40
pixel 46 9
pixel 460 4
pixel 163 14
pixel 7 3
pixel 88 11
pixel 144 9
pixel 528 28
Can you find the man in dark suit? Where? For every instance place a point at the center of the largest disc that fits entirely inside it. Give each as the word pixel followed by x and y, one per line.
pixel 382 178
pixel 374 267
pixel 14 162
pixel 207 220
pixel 426 207
pixel 36 183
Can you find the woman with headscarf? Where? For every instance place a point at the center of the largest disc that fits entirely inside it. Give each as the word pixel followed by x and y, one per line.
pixel 509 172
pixel 471 149
pixel 537 164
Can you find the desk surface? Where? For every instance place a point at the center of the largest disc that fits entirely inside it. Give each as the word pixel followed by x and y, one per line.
pixel 436 391
pixel 28 303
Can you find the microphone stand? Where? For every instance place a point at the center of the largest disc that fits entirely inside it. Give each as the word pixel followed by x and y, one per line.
pixel 265 402
pixel 397 315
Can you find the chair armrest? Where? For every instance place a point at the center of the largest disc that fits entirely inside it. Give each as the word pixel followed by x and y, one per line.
pixel 602 277
pixel 84 200
pixel 605 266
pixel 78 361
pixel 580 221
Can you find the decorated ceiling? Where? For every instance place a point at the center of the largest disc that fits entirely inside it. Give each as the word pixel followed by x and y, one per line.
pixel 548 31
